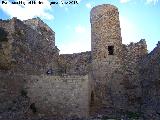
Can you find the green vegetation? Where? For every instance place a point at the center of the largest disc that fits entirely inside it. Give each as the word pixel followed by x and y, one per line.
pixel 133 115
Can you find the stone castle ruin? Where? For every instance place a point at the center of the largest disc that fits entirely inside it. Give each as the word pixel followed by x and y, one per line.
pixel 112 80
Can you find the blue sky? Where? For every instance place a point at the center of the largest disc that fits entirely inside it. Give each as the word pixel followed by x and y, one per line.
pixel 139 19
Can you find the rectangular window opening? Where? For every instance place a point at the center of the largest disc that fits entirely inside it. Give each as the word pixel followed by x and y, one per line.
pixel 110 50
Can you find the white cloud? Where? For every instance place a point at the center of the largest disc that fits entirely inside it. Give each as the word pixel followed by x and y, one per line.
pixel 28 11
pixel 80 42
pixel 63 5
pixel 147 1
pixel 88 5
pixel 75 46
pixel 124 1
pixel 152 1
pixel 80 29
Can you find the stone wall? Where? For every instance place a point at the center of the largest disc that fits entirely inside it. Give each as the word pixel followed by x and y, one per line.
pixel 6 30
pixel 14 104
pixel 28 50
pixel 43 29
pixel 150 82
pixel 28 96
pixel 63 96
pixel 131 83
pixel 77 63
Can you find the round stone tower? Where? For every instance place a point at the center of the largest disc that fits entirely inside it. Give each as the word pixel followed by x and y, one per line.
pixel 106 44
pixel 105 31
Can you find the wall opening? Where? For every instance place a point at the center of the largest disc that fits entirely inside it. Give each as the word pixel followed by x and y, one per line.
pixel 33 108
pixel 110 50
pixel 92 99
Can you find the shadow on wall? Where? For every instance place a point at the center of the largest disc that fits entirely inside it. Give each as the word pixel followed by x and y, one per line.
pixel 3 35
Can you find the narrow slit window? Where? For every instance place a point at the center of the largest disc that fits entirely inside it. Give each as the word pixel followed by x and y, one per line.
pixel 110 50
pixel 92 98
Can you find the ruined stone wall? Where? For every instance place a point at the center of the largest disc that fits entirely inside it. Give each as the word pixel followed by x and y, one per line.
pixel 31 52
pixel 43 29
pixel 14 104
pixel 77 63
pixel 56 96
pixel 118 78
pixel 131 83
pixel 6 30
pixel 8 25
pixel 63 96
pixel 150 82
pixel 124 85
